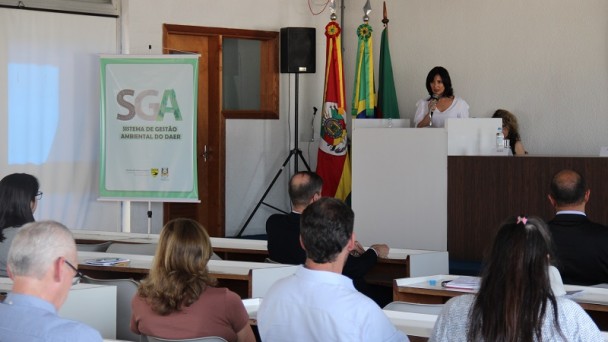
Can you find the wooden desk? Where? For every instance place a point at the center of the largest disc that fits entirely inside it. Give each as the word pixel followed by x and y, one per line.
pixel 418 327
pixel 99 236
pixel 400 263
pixel 248 279
pixel 484 190
pixel 225 248
pixel 418 290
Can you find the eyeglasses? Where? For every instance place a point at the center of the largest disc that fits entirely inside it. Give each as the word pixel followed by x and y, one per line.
pixel 78 275
pixel 39 195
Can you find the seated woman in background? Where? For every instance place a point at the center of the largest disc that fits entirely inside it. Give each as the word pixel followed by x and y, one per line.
pixel 515 301
pixel 177 300
pixel 510 130
pixel 19 195
pixel 441 103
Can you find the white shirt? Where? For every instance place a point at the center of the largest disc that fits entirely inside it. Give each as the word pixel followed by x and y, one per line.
pixel 458 109
pixel 322 306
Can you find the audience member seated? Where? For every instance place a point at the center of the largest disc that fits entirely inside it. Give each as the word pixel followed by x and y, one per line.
pixel 510 130
pixel 581 245
pixel 515 301
pixel 317 303
pixel 41 263
pixel 283 232
pixel 19 195
pixel 177 300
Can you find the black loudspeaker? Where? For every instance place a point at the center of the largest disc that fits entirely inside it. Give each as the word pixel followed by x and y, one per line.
pixel 298 50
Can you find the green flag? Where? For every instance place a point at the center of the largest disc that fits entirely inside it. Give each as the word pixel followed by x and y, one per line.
pixel 387 96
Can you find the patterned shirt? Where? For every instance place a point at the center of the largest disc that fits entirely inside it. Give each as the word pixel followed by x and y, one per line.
pixel 452 324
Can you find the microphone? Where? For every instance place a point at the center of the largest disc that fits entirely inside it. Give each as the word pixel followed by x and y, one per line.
pixel 315 111
pixel 434 98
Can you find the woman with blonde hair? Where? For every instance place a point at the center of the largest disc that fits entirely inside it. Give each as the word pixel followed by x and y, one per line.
pixel 510 130
pixel 178 299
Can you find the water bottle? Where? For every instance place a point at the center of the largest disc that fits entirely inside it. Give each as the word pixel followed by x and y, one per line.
pixel 500 140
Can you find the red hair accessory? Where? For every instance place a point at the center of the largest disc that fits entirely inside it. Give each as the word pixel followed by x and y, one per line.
pixel 522 219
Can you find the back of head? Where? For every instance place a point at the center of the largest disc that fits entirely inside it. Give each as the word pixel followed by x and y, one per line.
pixel 303 186
pixel 326 227
pixel 17 192
pixel 515 286
pixel 179 273
pixel 445 79
pixel 568 187
pixel 37 245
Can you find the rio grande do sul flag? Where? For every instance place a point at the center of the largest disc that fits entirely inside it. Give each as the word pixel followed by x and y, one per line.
pixel 333 163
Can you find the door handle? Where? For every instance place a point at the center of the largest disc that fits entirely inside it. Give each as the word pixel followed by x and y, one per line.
pixel 205 153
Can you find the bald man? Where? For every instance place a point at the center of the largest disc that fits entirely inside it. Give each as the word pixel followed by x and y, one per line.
pixel 581 245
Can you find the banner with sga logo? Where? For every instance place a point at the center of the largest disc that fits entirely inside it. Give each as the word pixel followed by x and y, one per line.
pixel 148 128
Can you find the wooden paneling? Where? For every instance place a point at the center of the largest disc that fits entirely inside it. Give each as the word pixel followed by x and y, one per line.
pixel 485 190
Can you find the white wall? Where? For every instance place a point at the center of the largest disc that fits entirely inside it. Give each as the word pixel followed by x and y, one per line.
pixel 545 60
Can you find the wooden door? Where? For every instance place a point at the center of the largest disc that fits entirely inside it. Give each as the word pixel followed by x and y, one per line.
pixel 210 133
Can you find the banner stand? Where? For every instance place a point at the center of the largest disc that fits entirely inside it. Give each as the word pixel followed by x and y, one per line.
pixel 126 216
pixel 149 217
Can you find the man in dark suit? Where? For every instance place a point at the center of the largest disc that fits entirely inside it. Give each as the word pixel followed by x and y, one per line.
pixel 581 245
pixel 283 233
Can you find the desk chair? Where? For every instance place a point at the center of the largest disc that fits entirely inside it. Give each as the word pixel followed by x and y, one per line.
pixel 132 248
pixel 125 290
pixel 429 309
pixel 198 339
pixel 93 247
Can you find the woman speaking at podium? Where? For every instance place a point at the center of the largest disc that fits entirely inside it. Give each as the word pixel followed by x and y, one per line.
pixel 441 103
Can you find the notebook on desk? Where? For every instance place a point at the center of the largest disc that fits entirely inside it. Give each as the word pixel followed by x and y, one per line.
pixel 107 262
pixel 462 283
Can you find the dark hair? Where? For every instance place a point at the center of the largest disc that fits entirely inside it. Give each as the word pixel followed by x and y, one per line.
pixel 515 287
pixel 445 78
pixel 179 273
pixel 325 227
pixel 302 192
pixel 509 120
pixel 17 192
pixel 568 187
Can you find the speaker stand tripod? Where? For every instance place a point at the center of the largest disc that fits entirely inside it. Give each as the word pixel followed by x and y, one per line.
pixel 295 152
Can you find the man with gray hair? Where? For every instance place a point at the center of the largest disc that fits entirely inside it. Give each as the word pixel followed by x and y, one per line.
pixel 41 263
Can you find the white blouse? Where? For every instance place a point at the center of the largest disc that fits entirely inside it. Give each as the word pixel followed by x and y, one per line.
pixel 458 109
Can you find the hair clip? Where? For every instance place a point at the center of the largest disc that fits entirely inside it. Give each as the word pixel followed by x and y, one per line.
pixel 522 219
